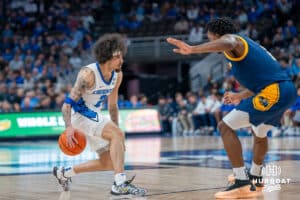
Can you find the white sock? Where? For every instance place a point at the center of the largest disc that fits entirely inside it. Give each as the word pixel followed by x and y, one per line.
pixel 69 172
pixel 255 169
pixel 240 173
pixel 120 178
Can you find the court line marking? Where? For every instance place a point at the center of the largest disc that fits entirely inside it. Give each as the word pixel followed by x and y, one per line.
pixel 202 189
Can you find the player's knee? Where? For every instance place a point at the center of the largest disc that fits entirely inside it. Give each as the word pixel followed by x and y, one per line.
pixel 119 135
pixel 223 128
pixel 106 164
pixel 259 140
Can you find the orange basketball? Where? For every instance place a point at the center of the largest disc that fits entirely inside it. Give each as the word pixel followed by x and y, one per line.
pixel 62 143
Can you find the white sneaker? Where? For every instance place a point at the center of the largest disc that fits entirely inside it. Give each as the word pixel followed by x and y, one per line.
pixel 62 180
pixel 127 189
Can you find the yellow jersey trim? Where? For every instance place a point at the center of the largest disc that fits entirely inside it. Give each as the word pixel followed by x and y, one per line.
pixel 246 49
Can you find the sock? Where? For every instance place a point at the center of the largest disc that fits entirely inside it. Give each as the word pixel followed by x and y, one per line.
pixel 69 172
pixel 120 178
pixel 240 173
pixel 255 169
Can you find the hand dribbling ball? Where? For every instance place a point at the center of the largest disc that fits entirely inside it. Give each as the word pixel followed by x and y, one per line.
pixel 77 149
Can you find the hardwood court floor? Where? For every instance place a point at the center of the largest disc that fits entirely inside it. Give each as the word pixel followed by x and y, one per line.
pixel 170 168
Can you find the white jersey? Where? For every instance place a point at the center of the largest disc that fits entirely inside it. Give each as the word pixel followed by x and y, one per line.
pixel 91 102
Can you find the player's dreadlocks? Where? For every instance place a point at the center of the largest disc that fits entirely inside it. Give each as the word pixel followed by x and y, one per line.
pixel 221 26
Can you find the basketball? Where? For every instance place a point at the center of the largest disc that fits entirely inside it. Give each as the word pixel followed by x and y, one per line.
pixel 62 143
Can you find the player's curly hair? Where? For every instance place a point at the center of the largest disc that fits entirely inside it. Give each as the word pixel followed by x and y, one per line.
pixel 108 44
pixel 221 26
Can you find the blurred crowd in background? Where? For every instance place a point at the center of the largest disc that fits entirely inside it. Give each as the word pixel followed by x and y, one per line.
pixel 44 43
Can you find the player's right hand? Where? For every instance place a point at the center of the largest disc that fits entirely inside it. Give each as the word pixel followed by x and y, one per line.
pixel 183 48
pixel 71 140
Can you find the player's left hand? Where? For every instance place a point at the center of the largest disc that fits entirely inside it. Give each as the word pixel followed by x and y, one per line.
pixel 232 98
pixel 183 48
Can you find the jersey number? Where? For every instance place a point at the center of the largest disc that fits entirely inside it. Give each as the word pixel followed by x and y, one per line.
pixel 101 99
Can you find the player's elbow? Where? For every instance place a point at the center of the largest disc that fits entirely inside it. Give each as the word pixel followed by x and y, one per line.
pixel 65 107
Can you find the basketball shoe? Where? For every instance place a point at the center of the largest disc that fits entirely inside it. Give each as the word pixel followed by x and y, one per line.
pixel 59 173
pixel 237 190
pixel 256 180
pixel 127 188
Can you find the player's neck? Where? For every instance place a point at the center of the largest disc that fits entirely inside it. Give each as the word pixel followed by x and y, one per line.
pixel 106 70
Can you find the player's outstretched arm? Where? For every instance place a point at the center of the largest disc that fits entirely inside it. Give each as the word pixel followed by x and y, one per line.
pixel 224 43
pixel 113 101
pixel 85 80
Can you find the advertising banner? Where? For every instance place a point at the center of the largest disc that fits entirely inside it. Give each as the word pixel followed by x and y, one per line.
pixel 51 123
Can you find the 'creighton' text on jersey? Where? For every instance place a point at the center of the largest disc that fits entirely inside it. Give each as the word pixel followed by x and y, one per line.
pixel 91 102
pixel 256 68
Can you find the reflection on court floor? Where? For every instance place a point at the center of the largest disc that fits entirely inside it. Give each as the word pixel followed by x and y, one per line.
pixel 193 167
pixel 141 153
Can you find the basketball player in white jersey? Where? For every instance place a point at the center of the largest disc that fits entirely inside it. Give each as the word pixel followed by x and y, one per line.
pixel 81 110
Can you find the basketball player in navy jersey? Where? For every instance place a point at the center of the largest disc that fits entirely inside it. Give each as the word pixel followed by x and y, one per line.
pixel 269 92
pixel 82 110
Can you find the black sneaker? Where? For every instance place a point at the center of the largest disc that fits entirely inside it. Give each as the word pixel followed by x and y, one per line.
pixel 127 189
pixel 239 189
pixel 256 180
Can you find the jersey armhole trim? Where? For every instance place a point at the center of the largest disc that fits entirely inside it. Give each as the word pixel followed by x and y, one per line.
pixel 246 50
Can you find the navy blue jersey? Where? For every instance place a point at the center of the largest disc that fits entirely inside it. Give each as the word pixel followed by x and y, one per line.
pixel 256 68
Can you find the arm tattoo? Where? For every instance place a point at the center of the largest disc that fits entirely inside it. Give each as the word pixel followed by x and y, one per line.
pixel 114 113
pixel 85 80
pixel 66 112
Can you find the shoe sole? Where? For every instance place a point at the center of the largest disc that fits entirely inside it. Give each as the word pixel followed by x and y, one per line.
pixel 231 179
pixel 121 196
pixel 239 193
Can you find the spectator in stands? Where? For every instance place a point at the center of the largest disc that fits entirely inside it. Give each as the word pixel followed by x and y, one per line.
pixel 285 67
pixel 295 67
pixel 134 103
pixel 191 106
pixel 143 100
pixel 181 26
pixel 87 20
pixel 165 113
pixel 290 30
pixel 196 33
pixel 183 117
pixel 294 46
pixel 5 107
pixel 200 116
pixel 7 32
pixel 292 116
pixel 242 17
pixel 16 63
pixel 192 12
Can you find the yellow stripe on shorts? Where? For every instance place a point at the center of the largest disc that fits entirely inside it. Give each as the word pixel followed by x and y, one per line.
pixel 267 97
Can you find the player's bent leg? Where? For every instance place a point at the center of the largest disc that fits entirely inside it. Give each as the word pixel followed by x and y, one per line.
pixel 241 186
pixel 116 138
pixel 121 186
pixel 232 145
pixel 260 148
pixel 104 163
